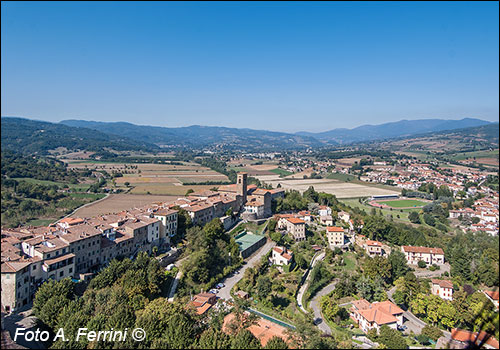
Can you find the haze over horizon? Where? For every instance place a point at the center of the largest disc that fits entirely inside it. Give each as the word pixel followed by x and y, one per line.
pixel 282 67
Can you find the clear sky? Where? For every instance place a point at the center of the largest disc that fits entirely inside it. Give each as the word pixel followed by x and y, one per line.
pixel 277 66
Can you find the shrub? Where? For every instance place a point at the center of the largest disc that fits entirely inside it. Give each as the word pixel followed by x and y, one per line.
pixel 432 332
pixel 423 339
pixel 422 264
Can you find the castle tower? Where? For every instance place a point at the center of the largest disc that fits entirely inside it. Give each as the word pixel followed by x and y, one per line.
pixel 241 186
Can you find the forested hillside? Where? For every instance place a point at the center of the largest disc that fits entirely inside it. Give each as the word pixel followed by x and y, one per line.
pixel 37 137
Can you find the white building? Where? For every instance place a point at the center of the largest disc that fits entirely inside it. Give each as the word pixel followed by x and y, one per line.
pixel 429 255
pixel 324 210
pixel 442 288
pixel 336 236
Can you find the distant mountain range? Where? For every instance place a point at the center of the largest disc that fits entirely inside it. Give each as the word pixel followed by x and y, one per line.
pixel 401 128
pixel 202 136
pixel 31 136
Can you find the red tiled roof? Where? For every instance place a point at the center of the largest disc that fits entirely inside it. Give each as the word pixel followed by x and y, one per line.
pixel 493 294
pixel 374 243
pixel 296 221
pixel 473 337
pixel 442 283
pixel 334 229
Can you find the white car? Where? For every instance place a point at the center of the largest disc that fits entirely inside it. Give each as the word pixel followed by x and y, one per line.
pixel 214 291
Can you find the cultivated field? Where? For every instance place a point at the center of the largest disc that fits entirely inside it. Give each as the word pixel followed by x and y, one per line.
pixel 158 179
pixel 118 202
pixel 338 188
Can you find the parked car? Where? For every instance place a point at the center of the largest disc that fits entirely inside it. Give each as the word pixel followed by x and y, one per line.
pixel 213 291
pixel 220 285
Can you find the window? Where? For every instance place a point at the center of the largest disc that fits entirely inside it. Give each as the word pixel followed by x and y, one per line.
pixel 61 273
pixel 48 255
pixel 70 270
pixel 34 267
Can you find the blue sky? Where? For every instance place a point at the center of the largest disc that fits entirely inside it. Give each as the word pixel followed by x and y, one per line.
pixel 277 66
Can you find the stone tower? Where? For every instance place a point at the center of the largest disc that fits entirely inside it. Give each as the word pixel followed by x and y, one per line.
pixel 241 186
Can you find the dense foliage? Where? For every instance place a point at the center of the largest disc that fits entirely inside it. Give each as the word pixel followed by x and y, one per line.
pixel 36 137
pixel 210 254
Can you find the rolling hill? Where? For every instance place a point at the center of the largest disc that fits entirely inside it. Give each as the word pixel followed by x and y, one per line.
pixel 38 137
pixel 197 136
pixel 400 128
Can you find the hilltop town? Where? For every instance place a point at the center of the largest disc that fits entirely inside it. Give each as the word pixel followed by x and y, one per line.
pixel 344 271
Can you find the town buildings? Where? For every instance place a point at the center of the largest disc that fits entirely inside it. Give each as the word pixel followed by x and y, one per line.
pixel 281 257
pixel 429 255
pixel 373 248
pixel 296 228
pixel 335 236
pixel 442 288
pixel 374 315
pixel 74 247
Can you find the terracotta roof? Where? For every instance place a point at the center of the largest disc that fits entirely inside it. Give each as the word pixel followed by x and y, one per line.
pixel 335 229
pixel 164 212
pixel 473 337
pixel 493 294
pixel 71 221
pixel 374 243
pixel 296 221
pixel 426 250
pixel 263 330
pixel 380 312
pixel 442 283
pixel 361 304
pixel 58 259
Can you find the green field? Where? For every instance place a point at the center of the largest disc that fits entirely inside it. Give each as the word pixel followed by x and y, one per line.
pixel 403 213
pixel 341 177
pixel 350 261
pixel 353 179
pixel 281 172
pixel 38 182
pixel 41 222
pixel 74 187
pixel 403 203
pixel 477 154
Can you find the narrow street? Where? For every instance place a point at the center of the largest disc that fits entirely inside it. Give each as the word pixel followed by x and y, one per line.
pixel 318 317
pixel 230 282
pixel 317 257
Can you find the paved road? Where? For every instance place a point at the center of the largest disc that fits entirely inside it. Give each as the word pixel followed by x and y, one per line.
pixel 425 273
pixel 173 289
pixel 23 319
pixel 317 257
pixel 318 317
pixel 254 259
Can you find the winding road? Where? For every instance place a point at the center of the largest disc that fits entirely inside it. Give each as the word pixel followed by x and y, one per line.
pixel 317 257
pixel 318 317
pixel 230 282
